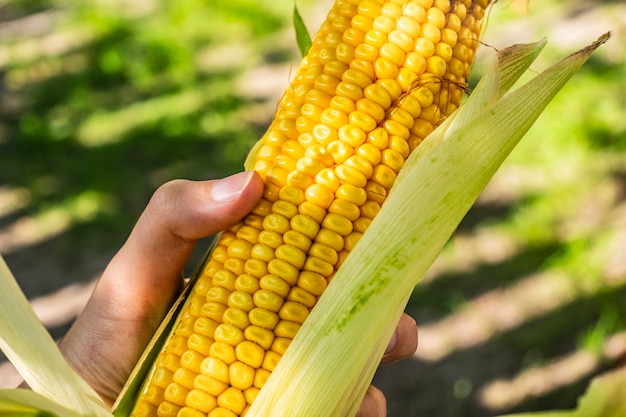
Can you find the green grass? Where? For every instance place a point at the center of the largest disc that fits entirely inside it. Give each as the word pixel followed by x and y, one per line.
pixel 106 103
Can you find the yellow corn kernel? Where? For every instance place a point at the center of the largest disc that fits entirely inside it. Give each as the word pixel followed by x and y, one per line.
pixel 224 279
pixel 302 296
pixel 235 265
pixel 205 326
pixel 175 394
pixel 297 239
pixel 325 252
pixel 299 179
pixel 275 284
pixel 214 310
pixel 241 375
pixel 176 345
pixel 202 285
pixel 167 409
pixel 268 300
pixel 221 412
pixel 344 208
pixel 312 282
pixel 283 269
pixel 271 360
pixel 228 333
pixel 333 117
pixel 276 223
pixel 168 361
pixel 259 335
pixel 250 394
pixel 330 238
pixel 402 39
pixel 351 175
pixel 232 399
pixel 162 377
pixel 337 224
pixel 209 385
pixel 144 408
pixel 342 103
pixel 250 353
pixel 319 194
pixel 285 208
pixel 238 316
pixel 263 318
pixel 384 176
pixel 280 345
pixel 324 134
pixel 379 138
pixel 379 77
pixel 363 66
pixel 294 312
pixel 184 377
pixel 340 151
pixel 191 360
pixel 352 134
pixel 362 120
pixel 200 343
pixel 361 226
pixel 250 282
pixel 345 52
pixel 264 252
pixel 200 400
pixel 223 351
pixel 291 254
pixel 185 327
pixel 370 153
pixel 260 377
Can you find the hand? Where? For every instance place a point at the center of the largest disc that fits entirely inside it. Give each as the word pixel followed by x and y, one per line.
pixel 145 276
pixel 402 345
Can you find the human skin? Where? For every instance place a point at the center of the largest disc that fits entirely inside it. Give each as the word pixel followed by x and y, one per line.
pixel 145 276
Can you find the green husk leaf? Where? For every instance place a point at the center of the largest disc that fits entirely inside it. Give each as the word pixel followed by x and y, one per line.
pixel 33 352
pixel 26 403
pixel 303 38
pixel 605 397
pixel 511 63
pixel 327 368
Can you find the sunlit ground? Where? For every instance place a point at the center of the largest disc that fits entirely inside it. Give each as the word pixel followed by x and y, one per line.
pixel 101 103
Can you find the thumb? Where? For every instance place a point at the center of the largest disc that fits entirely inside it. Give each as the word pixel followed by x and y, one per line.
pixel 179 213
pixel 140 283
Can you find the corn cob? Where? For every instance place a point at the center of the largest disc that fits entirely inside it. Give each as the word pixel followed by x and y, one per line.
pixel 379 77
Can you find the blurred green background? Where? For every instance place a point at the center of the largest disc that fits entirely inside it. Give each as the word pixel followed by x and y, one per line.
pixel 101 102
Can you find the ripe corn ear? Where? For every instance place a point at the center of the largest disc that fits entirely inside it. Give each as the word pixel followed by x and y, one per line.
pixel 379 77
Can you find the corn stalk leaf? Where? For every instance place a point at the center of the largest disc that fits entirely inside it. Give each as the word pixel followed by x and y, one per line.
pixel 327 368
pixel 303 38
pixel 26 403
pixel 31 349
pixel 605 397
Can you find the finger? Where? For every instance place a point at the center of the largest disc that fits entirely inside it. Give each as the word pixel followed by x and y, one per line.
pixel 137 288
pixel 179 213
pixel 403 343
pixel 374 404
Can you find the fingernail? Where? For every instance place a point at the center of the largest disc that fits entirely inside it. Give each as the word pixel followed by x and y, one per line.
pixel 230 188
pixel 393 342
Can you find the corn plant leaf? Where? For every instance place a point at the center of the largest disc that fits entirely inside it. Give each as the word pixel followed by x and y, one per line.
pixel 327 368
pixel 26 403
pixel 303 38
pixel 31 349
pixel 605 397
